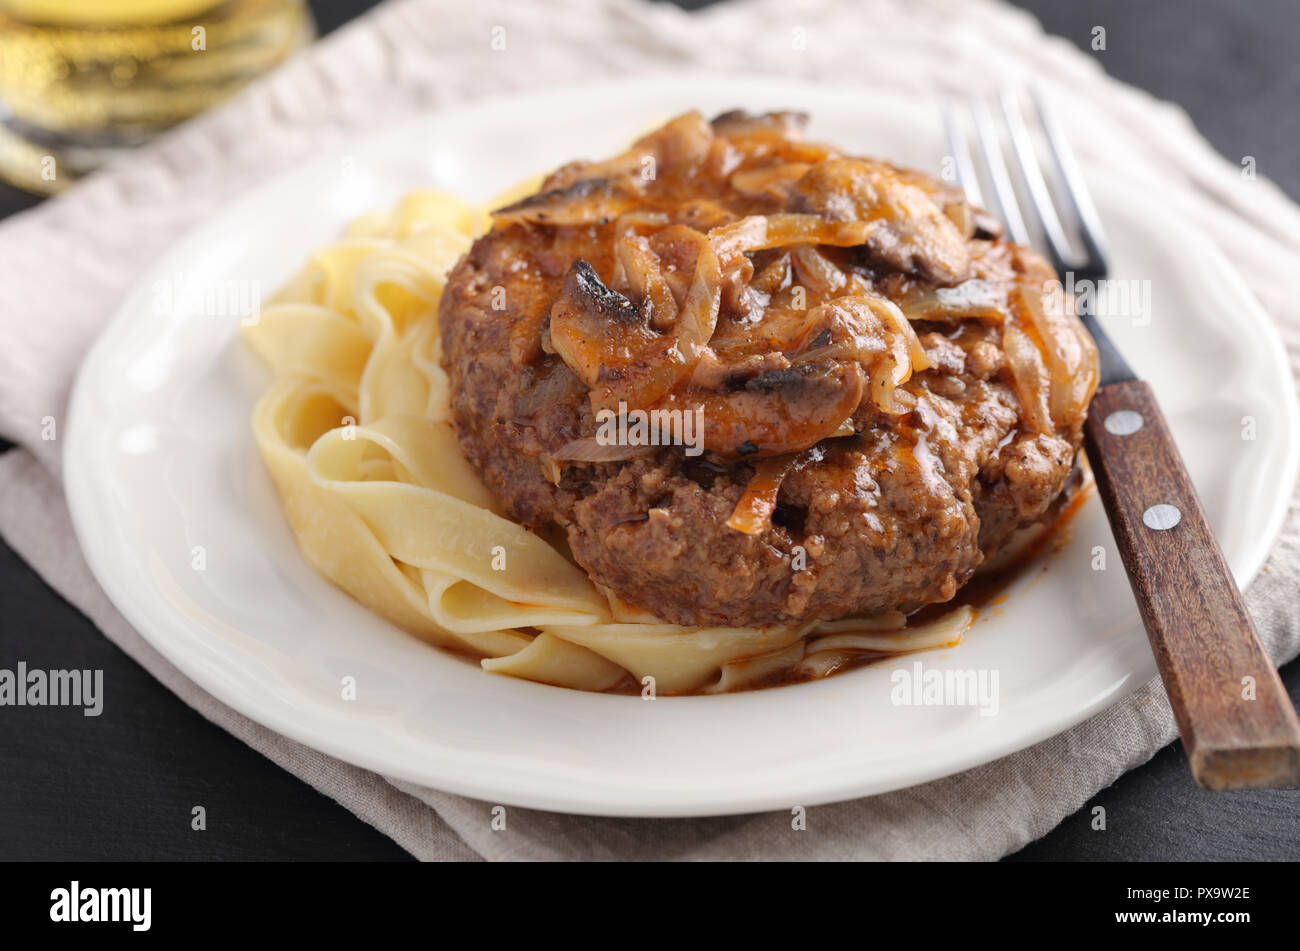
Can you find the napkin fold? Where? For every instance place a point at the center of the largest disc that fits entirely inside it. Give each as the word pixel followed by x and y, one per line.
pixel 65 266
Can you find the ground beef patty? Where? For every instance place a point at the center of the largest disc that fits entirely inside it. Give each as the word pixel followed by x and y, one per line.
pixel 884 391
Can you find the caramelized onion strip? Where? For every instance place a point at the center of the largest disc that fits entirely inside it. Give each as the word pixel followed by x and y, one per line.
pixel 753 513
pixel 759 232
pixel 645 278
pixel 590 449
pixel 1067 354
pixel 893 318
pixel 1030 376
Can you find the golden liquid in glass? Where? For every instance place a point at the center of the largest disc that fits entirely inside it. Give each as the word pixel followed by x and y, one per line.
pixel 81 81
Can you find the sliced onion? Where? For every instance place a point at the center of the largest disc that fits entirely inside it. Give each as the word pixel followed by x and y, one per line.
pixel 893 318
pixel 962 215
pixel 699 313
pixel 887 376
pixel 1032 381
pixel 1070 357
pixel 753 513
pixel 774 181
pixel 759 232
pixel 645 278
pixel 590 449
pixel 775 277
pixel 816 272
pixel 639 221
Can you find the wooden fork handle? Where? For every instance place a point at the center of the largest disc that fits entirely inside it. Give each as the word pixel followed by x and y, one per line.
pixel 1237 723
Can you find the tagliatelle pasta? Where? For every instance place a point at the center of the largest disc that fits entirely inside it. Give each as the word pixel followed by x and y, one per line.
pixel 355 430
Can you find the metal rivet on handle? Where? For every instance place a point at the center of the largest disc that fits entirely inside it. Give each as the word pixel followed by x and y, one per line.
pixel 1123 422
pixel 1161 517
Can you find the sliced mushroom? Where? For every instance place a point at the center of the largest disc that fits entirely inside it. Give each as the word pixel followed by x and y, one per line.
pixel 776 412
pixel 675 148
pixel 587 202
pixel 974 299
pixel 737 122
pixel 906 230
pixel 608 342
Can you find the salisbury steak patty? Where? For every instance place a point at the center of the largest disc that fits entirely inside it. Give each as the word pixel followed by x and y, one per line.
pixel 882 394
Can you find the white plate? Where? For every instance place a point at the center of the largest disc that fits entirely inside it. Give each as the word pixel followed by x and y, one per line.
pixel 160 462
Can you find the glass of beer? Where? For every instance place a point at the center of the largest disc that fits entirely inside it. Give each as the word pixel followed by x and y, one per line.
pixel 83 81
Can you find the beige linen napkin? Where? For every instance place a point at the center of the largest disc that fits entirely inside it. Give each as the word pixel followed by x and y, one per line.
pixel 65 266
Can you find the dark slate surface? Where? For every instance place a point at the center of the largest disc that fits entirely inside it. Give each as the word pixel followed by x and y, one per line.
pixel 121 786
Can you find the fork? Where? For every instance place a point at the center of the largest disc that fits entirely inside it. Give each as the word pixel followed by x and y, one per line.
pixel 1238 726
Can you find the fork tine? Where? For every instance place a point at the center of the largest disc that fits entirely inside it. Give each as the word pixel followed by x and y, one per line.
pixel 1076 189
pixel 1003 193
pixel 959 149
pixel 1032 175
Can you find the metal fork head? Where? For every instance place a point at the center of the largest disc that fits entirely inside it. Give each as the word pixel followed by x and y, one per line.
pixel 1087 258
